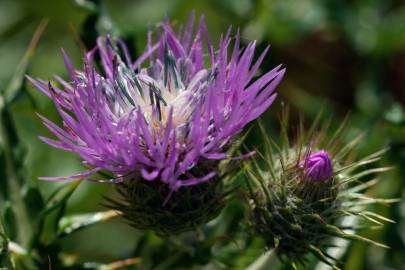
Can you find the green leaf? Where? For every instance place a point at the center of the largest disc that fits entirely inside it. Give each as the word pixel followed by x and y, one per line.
pixel 10 222
pixel 60 198
pixel 56 203
pixel 34 202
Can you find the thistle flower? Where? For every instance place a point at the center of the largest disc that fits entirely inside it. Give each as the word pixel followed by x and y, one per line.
pixel 301 198
pixel 160 124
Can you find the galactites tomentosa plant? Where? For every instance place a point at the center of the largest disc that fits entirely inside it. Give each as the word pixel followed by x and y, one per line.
pixel 301 193
pixel 160 125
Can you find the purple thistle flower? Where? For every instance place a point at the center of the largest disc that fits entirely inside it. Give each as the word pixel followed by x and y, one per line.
pixel 318 167
pixel 163 114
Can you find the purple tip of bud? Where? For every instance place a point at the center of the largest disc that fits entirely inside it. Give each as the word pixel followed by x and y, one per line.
pixel 318 166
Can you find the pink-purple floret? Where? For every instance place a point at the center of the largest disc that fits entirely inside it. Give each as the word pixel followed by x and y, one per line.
pixel 318 167
pixel 128 145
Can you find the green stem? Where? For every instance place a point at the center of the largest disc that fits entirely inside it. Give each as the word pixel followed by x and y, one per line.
pixel 7 132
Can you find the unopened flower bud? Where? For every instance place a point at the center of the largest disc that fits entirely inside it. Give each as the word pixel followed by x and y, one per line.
pixel 300 198
pixel 318 167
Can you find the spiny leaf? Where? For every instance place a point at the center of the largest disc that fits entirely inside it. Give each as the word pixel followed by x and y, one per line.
pixel 341 234
pixel 348 147
pixel 354 165
pixel 61 197
pixel 357 176
pixel 73 223
pixel 338 132
pixel 368 201
pixel 321 256
pixel 378 216
pixel 267 143
pixel 57 203
pixel 15 86
pixel 315 123
pixel 284 120
pixel 362 186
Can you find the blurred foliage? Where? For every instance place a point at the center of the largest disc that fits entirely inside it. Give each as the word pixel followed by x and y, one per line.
pixel 345 56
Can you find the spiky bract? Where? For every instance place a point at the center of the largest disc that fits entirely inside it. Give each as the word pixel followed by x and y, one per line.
pixel 145 204
pixel 191 207
pixel 296 216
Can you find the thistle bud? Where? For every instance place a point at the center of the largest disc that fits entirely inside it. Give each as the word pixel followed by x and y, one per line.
pixel 299 200
pixel 318 167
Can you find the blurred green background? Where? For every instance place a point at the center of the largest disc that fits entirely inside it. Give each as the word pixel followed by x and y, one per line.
pixel 348 56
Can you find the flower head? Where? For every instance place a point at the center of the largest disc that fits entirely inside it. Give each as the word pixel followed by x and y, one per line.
pixel 163 114
pixel 169 116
